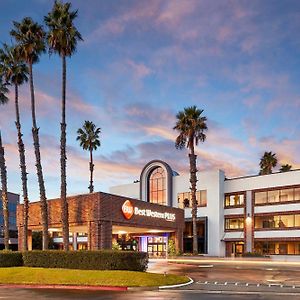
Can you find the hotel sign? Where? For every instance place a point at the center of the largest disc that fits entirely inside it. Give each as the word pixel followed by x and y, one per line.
pixel 129 210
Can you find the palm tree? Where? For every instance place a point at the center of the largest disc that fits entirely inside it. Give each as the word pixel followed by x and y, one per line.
pixel 88 136
pixel 3 91
pixel 4 100
pixel 15 72
pixel 267 163
pixel 285 168
pixel 62 39
pixel 30 38
pixel 191 126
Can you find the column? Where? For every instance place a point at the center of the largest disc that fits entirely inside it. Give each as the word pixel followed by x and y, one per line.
pixel 105 235
pixel 75 241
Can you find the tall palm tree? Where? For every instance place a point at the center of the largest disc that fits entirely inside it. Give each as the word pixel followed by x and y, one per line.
pixel 62 39
pixel 191 126
pixel 3 91
pixel 267 163
pixel 4 100
pixel 30 38
pixel 285 168
pixel 89 139
pixel 15 72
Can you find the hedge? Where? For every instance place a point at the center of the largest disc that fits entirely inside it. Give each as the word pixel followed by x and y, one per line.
pixel 87 260
pixel 10 259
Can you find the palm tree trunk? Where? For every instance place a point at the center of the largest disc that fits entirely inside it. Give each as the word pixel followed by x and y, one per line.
pixel 63 161
pixel 193 181
pixel 23 171
pixel 4 196
pixel 91 187
pixel 36 143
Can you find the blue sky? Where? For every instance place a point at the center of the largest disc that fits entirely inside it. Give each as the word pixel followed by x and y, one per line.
pixel 143 61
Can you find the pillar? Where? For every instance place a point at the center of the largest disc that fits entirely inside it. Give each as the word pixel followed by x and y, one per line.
pixel 179 239
pixel 74 241
pixel 105 235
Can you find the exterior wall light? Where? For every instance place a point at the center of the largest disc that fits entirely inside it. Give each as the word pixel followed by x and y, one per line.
pixel 248 219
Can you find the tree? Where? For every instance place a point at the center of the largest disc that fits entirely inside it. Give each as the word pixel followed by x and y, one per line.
pixel 88 136
pixel 4 195
pixel 191 126
pixel 267 163
pixel 62 39
pixel 285 168
pixel 3 91
pixel 30 38
pixel 15 72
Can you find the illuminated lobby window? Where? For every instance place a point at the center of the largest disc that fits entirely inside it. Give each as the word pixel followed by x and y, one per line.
pixel 277 248
pixel 157 186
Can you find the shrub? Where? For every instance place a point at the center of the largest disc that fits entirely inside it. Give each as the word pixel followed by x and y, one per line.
pixel 252 254
pixel 87 260
pixel 171 248
pixel 10 259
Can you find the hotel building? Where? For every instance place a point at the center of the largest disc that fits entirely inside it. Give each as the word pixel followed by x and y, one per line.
pixel 13 201
pixel 258 213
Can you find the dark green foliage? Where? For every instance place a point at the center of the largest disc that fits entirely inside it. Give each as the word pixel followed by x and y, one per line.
pixel 10 259
pixel 252 254
pixel 87 260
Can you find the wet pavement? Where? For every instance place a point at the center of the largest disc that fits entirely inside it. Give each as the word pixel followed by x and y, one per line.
pixel 212 281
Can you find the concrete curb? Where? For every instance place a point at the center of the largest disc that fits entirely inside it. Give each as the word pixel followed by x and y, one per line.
pixel 65 287
pixel 176 285
pixel 92 287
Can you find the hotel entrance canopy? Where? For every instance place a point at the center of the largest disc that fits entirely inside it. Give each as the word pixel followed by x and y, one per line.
pixel 101 215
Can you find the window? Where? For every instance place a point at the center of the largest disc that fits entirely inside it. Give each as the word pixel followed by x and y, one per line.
pixel 277 248
pixel 233 200
pixel 277 221
pixel 234 223
pixel 185 199
pixel 157 186
pixel 261 197
pixel 277 196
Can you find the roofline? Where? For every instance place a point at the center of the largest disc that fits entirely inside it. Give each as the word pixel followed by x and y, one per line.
pixel 251 176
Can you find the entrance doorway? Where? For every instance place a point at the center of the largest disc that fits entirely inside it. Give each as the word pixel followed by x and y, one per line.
pixel 235 248
pixel 201 235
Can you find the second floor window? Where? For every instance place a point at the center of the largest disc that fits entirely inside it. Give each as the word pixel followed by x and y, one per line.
pixel 185 199
pixel 234 223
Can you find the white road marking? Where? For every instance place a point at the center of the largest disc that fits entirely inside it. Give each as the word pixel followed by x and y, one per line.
pixel 206 266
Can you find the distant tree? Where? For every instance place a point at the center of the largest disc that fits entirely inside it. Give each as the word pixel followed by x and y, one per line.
pixel 62 39
pixel 191 126
pixel 285 168
pixel 89 139
pixel 15 72
pixel 30 38
pixel 4 195
pixel 267 163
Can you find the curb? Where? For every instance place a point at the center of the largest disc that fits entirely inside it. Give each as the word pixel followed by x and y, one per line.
pixel 176 285
pixel 65 287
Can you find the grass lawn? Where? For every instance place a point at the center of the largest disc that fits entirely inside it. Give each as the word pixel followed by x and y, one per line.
pixel 25 275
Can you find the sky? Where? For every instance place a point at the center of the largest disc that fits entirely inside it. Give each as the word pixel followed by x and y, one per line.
pixel 143 61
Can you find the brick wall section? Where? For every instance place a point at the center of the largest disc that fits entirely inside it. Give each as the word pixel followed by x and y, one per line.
pixel 99 212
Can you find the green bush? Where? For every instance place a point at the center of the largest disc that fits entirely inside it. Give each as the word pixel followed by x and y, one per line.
pixel 87 260
pixel 252 254
pixel 10 259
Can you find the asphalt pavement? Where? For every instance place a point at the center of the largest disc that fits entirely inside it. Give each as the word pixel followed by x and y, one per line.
pixel 213 280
